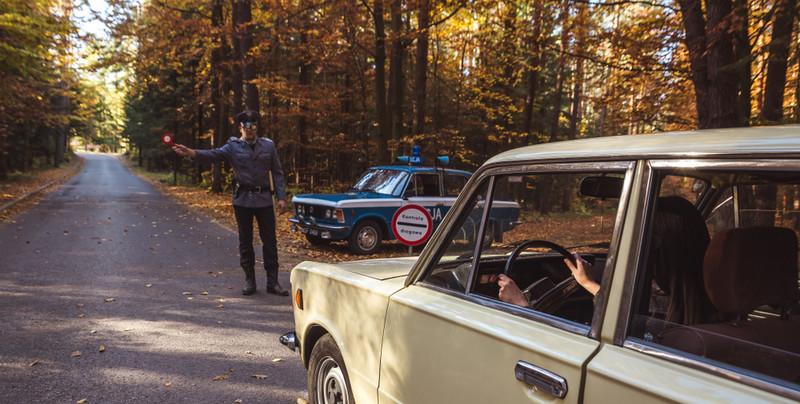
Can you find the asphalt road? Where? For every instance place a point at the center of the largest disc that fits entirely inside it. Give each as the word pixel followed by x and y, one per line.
pixel 112 293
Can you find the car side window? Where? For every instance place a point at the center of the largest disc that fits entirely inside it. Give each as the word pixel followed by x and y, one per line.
pixel 719 279
pixel 423 185
pixel 531 215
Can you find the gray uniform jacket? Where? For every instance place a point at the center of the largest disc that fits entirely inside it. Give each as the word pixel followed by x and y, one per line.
pixel 251 167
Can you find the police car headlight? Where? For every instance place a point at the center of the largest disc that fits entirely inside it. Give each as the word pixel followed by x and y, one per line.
pixel 338 215
pixel 328 213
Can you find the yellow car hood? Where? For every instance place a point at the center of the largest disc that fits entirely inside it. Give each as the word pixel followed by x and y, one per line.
pixel 381 268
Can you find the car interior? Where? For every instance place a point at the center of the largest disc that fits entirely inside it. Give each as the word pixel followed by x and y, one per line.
pixel 734 297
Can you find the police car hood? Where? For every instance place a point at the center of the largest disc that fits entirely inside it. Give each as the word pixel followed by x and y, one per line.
pixel 332 199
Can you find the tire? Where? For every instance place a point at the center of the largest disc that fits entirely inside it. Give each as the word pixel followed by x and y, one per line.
pixel 366 238
pixel 315 240
pixel 328 382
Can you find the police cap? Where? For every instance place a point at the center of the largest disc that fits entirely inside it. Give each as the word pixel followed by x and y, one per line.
pixel 247 116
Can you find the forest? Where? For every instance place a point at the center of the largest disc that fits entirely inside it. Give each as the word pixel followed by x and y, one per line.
pixel 342 85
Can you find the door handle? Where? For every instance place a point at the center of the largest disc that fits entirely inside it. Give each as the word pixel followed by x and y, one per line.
pixel 540 378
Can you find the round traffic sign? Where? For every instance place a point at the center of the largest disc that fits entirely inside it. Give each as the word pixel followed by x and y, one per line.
pixel 412 224
pixel 167 139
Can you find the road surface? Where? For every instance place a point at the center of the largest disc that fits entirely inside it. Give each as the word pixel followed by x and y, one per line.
pixel 112 293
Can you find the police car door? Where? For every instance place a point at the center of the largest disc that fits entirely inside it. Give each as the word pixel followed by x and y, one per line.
pixel 425 189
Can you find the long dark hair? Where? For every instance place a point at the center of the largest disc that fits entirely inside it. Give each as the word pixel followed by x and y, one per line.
pixel 679 242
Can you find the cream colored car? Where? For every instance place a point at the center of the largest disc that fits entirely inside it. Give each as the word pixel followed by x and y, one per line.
pixel 691 237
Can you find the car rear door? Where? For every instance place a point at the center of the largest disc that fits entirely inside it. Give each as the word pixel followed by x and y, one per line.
pixel 640 362
pixel 424 189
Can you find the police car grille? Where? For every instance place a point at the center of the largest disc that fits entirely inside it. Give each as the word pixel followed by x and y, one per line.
pixel 316 211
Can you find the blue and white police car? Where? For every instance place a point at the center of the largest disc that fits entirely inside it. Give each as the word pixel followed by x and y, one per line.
pixel 363 215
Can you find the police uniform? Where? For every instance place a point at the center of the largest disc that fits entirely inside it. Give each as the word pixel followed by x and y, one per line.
pixel 252 197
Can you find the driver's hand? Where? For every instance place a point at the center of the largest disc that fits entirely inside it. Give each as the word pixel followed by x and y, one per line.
pixel 583 273
pixel 509 291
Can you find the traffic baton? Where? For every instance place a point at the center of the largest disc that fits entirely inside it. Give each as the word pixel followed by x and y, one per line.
pixel 274 199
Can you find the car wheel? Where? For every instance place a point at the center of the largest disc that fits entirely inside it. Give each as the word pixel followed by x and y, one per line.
pixel 315 240
pixel 366 238
pixel 327 376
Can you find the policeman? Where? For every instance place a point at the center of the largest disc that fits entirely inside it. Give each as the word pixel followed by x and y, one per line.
pixel 256 170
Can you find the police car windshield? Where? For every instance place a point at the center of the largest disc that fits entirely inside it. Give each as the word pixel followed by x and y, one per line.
pixel 382 181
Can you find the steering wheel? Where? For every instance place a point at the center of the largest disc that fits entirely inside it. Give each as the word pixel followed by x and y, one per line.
pixel 553 299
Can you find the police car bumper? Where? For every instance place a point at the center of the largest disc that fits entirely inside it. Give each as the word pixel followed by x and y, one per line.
pixel 321 230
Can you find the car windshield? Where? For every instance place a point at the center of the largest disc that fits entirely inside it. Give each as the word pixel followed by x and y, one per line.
pixel 382 181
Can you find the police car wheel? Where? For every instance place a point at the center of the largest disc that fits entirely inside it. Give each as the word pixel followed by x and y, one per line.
pixel 366 238
pixel 316 240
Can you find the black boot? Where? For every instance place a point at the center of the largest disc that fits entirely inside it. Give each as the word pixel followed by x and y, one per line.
pixel 277 289
pixel 250 281
pixel 272 284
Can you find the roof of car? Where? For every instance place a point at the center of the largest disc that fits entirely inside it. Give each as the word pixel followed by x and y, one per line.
pixel 415 169
pixel 733 142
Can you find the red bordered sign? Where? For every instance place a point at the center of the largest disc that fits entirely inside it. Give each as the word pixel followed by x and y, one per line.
pixel 167 139
pixel 412 224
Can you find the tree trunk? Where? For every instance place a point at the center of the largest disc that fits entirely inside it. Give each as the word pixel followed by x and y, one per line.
pixel 249 88
pixel 236 70
pixel 563 19
pixel 577 108
pixel 216 93
pixel 783 21
pixel 710 45
pixel 421 68
pixel 533 73
pixel 303 152
pixel 380 82
pixel 724 80
pixel 743 50
pixel 396 78
pixel 63 129
pixel 695 36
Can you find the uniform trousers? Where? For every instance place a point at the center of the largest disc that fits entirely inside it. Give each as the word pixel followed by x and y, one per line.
pixel 266 228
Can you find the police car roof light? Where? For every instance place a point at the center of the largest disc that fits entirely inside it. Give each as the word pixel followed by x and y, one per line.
pixel 442 160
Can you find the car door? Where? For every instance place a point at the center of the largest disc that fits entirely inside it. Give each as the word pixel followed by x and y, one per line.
pixel 447 336
pixel 651 357
pixel 424 189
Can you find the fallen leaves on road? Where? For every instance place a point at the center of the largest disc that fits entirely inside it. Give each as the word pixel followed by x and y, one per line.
pixel 102 348
pixel 83 401
pixel 276 360
pixel 260 376
pixel 76 354
pixel 34 363
pixel 221 377
pixel 110 299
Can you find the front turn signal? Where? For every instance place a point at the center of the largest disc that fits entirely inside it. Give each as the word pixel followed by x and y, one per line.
pixel 298 298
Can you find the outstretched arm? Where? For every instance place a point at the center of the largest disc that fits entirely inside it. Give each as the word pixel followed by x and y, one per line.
pixel 184 151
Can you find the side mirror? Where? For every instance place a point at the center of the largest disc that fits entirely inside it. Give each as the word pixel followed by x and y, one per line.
pixel 602 187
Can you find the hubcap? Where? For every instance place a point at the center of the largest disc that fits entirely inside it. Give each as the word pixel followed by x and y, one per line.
pixel 331 384
pixel 367 238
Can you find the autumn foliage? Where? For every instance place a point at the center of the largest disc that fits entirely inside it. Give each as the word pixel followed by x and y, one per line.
pixel 342 85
